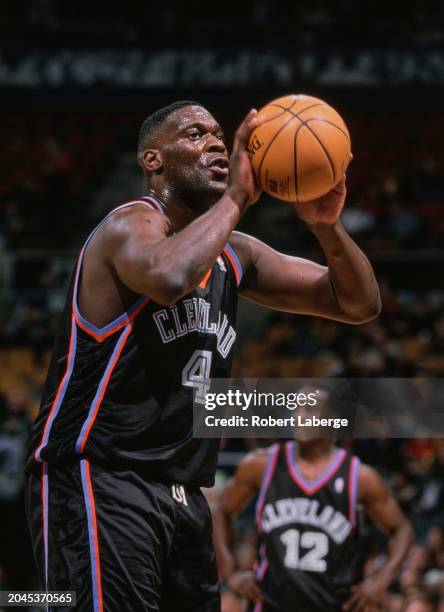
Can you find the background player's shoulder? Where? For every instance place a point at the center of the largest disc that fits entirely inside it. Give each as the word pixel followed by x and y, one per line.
pixel 253 465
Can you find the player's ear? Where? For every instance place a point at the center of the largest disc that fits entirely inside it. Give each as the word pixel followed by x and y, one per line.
pixel 151 161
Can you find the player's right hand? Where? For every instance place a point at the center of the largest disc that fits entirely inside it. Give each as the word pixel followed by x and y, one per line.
pixel 241 172
pixel 244 584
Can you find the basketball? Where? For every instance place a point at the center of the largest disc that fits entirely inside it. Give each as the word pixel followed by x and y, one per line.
pixel 300 149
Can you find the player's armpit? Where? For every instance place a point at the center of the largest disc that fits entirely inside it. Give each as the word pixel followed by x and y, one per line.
pixel 345 291
pixel 132 244
pixel 282 282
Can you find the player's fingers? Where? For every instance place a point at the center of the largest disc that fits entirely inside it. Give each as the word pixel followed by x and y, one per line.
pixel 256 592
pixel 251 590
pixel 360 604
pixel 350 158
pixel 349 604
pixel 245 129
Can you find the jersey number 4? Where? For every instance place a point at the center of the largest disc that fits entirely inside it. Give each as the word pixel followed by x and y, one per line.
pixel 196 374
pixel 314 559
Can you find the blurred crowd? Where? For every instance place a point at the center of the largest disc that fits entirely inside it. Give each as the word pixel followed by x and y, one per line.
pixel 406 340
pixel 178 23
pixel 51 164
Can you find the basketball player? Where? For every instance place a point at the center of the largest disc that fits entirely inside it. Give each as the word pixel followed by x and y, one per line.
pixel 310 551
pixel 114 474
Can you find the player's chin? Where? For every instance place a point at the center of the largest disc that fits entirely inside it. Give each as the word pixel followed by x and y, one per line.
pixel 214 188
pixel 218 186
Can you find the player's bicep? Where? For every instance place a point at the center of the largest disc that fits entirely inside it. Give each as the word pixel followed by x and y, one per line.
pixel 235 496
pixel 283 282
pixel 130 250
pixel 245 483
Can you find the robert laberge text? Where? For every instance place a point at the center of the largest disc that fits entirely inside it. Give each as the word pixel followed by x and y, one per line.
pixel 270 421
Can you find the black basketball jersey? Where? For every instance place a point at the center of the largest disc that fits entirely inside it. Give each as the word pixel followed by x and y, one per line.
pixel 122 395
pixel 308 534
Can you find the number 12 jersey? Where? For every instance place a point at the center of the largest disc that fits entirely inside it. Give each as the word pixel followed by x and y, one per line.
pixel 308 533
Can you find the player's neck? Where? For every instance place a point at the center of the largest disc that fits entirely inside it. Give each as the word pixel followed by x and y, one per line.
pixel 178 211
pixel 316 449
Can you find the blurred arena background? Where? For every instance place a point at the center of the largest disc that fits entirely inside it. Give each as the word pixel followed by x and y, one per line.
pixel 77 79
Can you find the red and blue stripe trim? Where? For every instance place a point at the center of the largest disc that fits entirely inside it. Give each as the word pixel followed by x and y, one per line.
pixel 235 262
pixel 260 573
pixel 101 333
pixel 93 537
pixel 269 471
pixel 61 391
pixel 311 487
pixel 45 493
pixel 353 489
pixel 100 393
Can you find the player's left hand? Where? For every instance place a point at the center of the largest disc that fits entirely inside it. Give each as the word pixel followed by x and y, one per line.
pixel 324 211
pixel 367 595
pixel 244 584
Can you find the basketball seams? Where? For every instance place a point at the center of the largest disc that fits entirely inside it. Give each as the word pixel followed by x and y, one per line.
pixel 259 170
pixel 296 184
pixel 297 98
pixel 316 134
pixel 284 110
pixel 327 153
pixel 294 116
pixel 322 120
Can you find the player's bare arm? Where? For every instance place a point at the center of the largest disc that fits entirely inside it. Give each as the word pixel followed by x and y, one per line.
pixel 381 506
pixel 345 291
pixel 235 495
pixel 141 251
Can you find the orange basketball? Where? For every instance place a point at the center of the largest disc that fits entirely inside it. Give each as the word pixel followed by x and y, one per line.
pixel 300 149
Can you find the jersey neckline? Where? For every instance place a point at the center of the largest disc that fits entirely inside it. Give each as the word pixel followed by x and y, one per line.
pixel 311 487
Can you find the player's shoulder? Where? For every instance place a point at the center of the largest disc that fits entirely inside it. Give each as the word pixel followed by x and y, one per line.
pixel 370 482
pixel 134 218
pixel 253 465
pixel 245 247
pixel 135 209
pixel 241 241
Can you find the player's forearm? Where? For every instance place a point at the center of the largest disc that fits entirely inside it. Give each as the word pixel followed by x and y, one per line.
pixel 351 274
pixel 223 541
pixel 178 263
pixel 398 548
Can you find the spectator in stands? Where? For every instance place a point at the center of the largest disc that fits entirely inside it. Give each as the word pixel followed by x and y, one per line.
pixel 15 552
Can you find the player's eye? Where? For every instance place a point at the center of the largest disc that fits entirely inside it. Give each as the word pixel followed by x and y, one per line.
pixel 194 135
pixel 220 136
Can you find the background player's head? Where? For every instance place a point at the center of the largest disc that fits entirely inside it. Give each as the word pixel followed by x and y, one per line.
pixel 183 154
pixel 322 409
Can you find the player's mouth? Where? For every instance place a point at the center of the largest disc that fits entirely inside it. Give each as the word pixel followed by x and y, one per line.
pixel 219 166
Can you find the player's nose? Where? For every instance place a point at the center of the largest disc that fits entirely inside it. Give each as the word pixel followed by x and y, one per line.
pixel 215 145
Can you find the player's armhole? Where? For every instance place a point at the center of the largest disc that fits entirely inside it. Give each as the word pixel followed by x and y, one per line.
pixel 354 490
pixel 128 316
pixel 270 462
pixel 241 245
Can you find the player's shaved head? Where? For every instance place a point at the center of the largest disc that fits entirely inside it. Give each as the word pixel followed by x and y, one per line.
pixel 152 124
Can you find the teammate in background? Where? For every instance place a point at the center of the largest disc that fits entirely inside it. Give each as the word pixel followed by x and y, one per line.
pixel 114 474
pixel 310 553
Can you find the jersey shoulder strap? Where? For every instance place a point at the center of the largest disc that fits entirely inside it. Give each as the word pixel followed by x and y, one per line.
pixel 101 333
